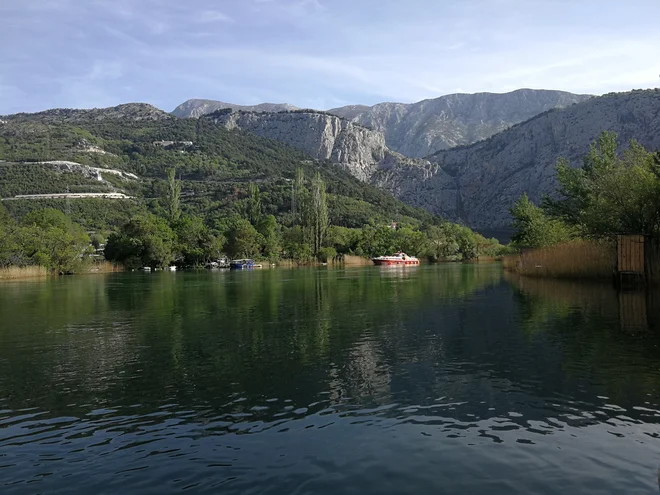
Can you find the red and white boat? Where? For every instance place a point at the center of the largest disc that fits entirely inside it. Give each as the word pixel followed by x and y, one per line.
pixel 399 259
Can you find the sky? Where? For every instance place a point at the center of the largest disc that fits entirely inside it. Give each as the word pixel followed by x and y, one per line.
pixel 317 53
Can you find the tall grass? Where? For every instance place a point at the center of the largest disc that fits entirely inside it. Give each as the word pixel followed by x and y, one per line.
pixel 579 260
pixel 16 272
pixel 349 260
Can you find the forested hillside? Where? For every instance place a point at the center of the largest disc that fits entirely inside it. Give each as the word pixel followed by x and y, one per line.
pixel 215 169
pixel 191 190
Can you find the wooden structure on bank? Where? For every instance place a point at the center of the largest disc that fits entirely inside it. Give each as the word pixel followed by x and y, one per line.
pixel 630 259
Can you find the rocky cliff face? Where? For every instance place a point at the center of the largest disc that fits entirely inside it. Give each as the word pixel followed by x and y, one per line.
pixel 128 111
pixel 357 149
pixel 477 184
pixel 420 129
pixel 196 108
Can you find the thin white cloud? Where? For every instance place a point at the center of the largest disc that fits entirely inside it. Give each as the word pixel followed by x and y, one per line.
pixel 318 52
pixel 214 16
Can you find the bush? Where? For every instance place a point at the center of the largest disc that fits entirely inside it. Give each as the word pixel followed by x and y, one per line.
pixel 326 254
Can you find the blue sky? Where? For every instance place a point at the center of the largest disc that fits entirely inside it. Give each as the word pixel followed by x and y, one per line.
pixel 317 53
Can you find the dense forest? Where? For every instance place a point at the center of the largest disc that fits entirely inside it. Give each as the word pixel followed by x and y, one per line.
pixel 200 191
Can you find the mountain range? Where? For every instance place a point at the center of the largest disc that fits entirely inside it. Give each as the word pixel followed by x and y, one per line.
pixel 477 184
pixel 507 144
pixel 420 129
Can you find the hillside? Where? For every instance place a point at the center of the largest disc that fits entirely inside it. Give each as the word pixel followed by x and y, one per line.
pixel 353 147
pixel 194 108
pixel 215 165
pixel 477 184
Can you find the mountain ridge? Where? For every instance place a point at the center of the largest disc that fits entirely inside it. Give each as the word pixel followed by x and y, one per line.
pixel 196 107
pixel 477 184
pixel 419 129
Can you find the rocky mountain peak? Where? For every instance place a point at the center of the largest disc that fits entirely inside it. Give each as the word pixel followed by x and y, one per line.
pixel 420 129
pixel 195 108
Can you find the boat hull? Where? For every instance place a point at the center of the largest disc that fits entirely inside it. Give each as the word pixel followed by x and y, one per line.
pixel 396 262
pixel 241 267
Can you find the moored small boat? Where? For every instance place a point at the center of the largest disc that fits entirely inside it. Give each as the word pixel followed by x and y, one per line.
pixel 399 259
pixel 242 264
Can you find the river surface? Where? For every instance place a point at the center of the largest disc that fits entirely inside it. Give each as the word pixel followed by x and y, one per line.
pixel 439 379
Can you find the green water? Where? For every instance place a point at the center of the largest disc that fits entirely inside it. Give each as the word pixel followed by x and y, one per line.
pixel 437 379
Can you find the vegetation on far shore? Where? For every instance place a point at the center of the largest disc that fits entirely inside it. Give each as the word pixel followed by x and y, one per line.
pixel 228 194
pixel 572 233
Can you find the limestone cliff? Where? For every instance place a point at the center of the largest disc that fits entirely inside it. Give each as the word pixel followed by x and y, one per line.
pixel 355 148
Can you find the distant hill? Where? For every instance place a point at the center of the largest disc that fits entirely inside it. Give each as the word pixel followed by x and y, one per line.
pixel 127 111
pixel 196 108
pixel 420 129
pixel 477 184
pixel 86 151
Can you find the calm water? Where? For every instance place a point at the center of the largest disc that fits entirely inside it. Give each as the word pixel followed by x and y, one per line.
pixel 446 379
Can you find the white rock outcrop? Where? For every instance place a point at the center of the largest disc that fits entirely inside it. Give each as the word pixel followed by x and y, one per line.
pixel 355 148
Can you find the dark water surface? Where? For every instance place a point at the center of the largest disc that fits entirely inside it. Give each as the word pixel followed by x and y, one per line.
pixel 442 379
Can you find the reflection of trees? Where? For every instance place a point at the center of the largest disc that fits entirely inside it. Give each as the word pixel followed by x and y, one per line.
pixel 199 337
pixel 606 336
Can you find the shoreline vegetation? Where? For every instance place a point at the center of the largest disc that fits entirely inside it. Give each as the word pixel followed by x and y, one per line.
pixel 165 236
pixel 571 235
pixel 579 259
pixel 209 195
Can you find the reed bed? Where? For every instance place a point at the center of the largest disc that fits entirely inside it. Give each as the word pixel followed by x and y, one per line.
pixel 349 260
pixel 17 272
pixel 577 260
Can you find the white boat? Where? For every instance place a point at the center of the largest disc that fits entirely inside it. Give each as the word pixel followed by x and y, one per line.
pixel 399 259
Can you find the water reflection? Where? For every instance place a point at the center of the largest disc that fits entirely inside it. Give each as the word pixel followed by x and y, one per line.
pixel 448 379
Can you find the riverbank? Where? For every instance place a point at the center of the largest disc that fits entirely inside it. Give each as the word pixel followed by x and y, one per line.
pixel 16 272
pixel 34 272
pixel 590 260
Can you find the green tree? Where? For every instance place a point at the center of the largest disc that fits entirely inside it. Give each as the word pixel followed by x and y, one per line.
pixel 296 246
pixel 534 228
pixel 254 205
pixel 146 240
pixel 411 241
pixel 327 254
pixel 10 249
pixel 173 196
pixel 343 239
pixel 270 233
pixel 609 194
pixel 319 212
pixel 50 239
pixel 442 242
pixel 195 242
pixel 243 240
pixel 377 241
